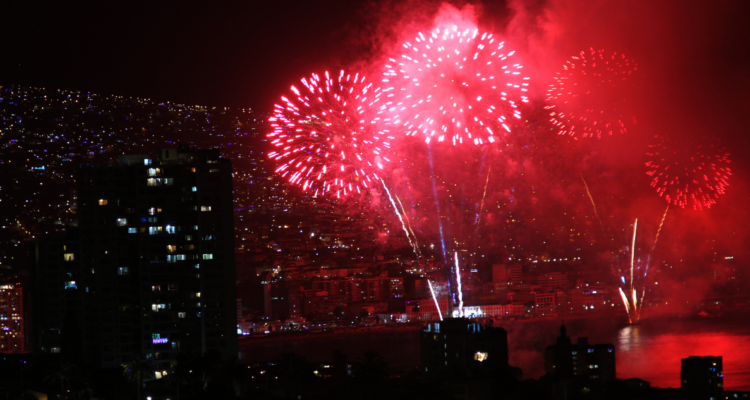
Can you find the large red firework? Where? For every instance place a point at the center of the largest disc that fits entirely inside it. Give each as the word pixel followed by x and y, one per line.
pixel 688 174
pixel 454 85
pixel 589 96
pixel 325 137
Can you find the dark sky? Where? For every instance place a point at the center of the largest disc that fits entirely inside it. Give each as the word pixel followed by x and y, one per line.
pixel 235 54
pixel 246 53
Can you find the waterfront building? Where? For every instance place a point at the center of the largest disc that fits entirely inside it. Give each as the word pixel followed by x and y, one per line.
pixel 702 378
pixel 458 347
pixel 592 363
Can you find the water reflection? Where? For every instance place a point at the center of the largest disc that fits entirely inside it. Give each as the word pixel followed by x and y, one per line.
pixel 629 336
pixel 653 351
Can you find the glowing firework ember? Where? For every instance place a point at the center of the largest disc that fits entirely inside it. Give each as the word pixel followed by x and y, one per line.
pixel 454 85
pixel 324 136
pixel 588 96
pixel 686 174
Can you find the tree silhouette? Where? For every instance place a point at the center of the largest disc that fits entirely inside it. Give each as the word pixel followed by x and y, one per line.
pixel 137 370
pixel 372 368
pixel 61 373
pixel 293 373
pixel 370 372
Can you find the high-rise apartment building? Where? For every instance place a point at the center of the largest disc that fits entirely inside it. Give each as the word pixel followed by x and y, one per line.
pixel 458 347
pixel 702 378
pixel 151 270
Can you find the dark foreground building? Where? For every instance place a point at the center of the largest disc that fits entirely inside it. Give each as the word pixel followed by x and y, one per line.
pixel 151 268
pixel 580 368
pixel 460 347
pixel 702 378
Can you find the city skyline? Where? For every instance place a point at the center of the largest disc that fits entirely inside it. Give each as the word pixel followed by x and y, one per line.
pixel 386 167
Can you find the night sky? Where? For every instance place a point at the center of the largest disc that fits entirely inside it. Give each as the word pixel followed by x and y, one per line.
pixel 694 56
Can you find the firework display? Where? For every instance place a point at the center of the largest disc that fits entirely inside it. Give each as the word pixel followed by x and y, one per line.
pixel 334 135
pixel 324 136
pixel 688 174
pixel 456 86
pixel 588 98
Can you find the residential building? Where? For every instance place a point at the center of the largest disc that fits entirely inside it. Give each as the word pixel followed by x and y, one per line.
pixel 151 270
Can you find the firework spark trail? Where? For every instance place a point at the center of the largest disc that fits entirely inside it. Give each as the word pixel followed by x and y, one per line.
pixel 648 262
pixel 625 302
pixel 460 291
pixel 454 85
pixel 484 196
pixel 437 306
pixel 592 202
pixel 408 224
pixel 437 204
pixel 663 218
pixel 632 253
pixel 403 225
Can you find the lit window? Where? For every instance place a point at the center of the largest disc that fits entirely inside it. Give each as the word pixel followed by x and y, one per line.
pixel 205 208
pixel 69 256
pixel 195 227
pixel 195 188
pixel 168 181
pixel 122 271
pixel 154 171
pixel 188 237
pixel 171 248
pixel 153 230
pixel 171 229
pixel 213 170
pixel 181 315
pixel 480 356
pixel 122 222
pixel 208 256
pixel 157 339
pixel 132 230
pixel 591 350
pixel 102 202
pixel 155 181
pixel 157 307
pixel 146 162
pixel 54 350
pixel 71 285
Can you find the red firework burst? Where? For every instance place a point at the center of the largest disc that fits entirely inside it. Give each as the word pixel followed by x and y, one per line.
pixel 455 86
pixel 324 136
pixel 588 97
pixel 688 174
